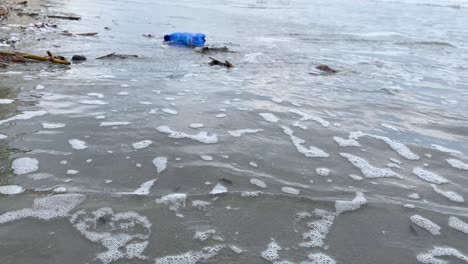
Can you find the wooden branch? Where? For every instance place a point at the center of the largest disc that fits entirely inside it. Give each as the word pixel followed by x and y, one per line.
pixel 50 58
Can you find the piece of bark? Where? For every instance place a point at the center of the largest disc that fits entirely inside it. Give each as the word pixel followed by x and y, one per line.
pixel 116 56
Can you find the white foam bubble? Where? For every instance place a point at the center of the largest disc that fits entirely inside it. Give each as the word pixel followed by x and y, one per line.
pixel 24 116
pixel 160 163
pixel 207 234
pixel 192 257
pixel 123 234
pixel 202 137
pixel 251 194
pixel 346 142
pixel 24 165
pixel 201 205
pixel 11 189
pixel 451 195
pixel 240 132
pixel 355 177
pixel 60 189
pixel 72 172
pixel 269 117
pixel 317 229
pixel 142 144
pixel 322 171
pixel 40 87
pixel 221 115
pixel 458 224
pixel 174 201
pixel 196 125
pixel 446 150
pixel 218 189
pixel 39 176
pixel 123 93
pixel 414 196
pixel 305 117
pixel 97 95
pixel 45 208
pixel 290 190
pixel 425 223
pixel 409 206
pixel 169 111
pixel 77 144
pixel 253 164
pixel 458 164
pixel 368 170
pixel 100 117
pixel 430 257
pixel 344 206
pixel 429 176
pixel 145 103
pixel 6 101
pixel 52 125
pixel 93 102
pixel 311 152
pixel 206 157
pixel 398 147
pixel 258 183
pixel 105 124
pixel 271 253
pixel 319 258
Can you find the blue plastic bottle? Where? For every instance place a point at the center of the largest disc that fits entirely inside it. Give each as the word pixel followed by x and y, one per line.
pixel 189 39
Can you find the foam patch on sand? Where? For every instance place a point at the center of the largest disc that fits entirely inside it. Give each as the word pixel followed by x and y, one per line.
pixel 318 229
pixel 258 183
pixel 271 252
pixel 142 144
pixel 458 224
pixel 458 164
pixel 123 93
pixel 160 163
pixel 173 201
pixel 11 189
pixel 451 195
pixel 196 125
pixel 124 234
pixel 368 170
pixel 432 257
pixel 346 142
pixel 202 137
pixel 45 208
pixel 269 117
pixel 322 171
pixel 305 117
pixel 24 116
pixel 24 165
pixel 97 95
pixel 251 194
pixel 77 144
pixel 144 188
pixel 194 256
pixel 6 101
pixel 93 102
pixel 206 157
pixel 398 147
pixel 445 150
pixel 105 124
pixel 207 234
pixel 429 176
pixel 52 125
pixel 169 111
pixel 319 258
pixel 290 190
pixel 311 152
pixel 345 206
pixel 240 132
pixel 201 205
pixel 218 189
pixel 425 223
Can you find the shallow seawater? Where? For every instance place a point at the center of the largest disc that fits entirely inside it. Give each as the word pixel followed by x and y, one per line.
pixel 164 159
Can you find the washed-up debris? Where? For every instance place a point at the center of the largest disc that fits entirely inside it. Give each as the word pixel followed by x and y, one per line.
pixel 149 36
pixel 226 64
pixel 29 14
pixel 207 49
pixel 11 58
pixel 185 38
pixel 64 17
pixel 90 34
pixel 3 65
pixel 3 11
pixel 326 68
pixel 78 58
pixel 113 55
pixel 107 28
pixel 51 57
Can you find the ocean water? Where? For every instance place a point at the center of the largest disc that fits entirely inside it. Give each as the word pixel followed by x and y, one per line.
pixel 165 159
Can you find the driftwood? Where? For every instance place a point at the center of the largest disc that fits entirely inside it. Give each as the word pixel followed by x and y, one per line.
pixel 205 50
pixel 64 17
pixel 117 56
pixel 226 64
pixel 51 57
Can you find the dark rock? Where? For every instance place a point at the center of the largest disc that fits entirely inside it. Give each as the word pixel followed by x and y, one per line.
pixel 78 58
pixel 326 68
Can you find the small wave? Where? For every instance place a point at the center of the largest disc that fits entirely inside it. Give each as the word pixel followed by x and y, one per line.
pixel 426 43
